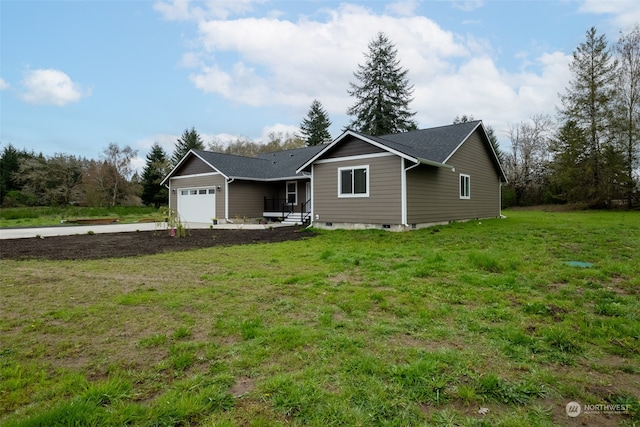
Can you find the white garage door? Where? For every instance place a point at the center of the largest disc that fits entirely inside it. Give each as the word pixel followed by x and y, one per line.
pixel 197 204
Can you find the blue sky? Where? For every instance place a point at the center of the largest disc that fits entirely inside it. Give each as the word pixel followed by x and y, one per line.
pixel 78 75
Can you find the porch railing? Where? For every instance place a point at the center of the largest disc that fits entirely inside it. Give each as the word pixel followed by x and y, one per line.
pixel 305 213
pixel 274 204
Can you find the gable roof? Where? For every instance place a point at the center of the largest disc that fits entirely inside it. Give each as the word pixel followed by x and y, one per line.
pixel 433 146
pixel 264 167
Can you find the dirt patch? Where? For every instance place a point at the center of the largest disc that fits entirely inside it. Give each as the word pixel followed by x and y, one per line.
pixel 242 386
pixel 117 245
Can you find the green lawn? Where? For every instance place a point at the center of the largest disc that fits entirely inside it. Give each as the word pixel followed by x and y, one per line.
pixel 346 328
pixel 48 216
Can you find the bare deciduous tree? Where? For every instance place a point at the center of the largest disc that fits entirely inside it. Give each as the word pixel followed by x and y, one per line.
pixel 527 160
pixel 627 102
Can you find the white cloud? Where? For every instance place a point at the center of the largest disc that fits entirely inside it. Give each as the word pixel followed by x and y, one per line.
pixel 279 61
pixel 3 84
pixel 166 141
pixel 291 63
pixel 624 13
pixel 468 5
pixel 402 7
pixel 277 129
pixel 184 10
pixel 50 87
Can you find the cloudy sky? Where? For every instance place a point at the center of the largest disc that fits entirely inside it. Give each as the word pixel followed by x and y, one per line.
pixel 78 75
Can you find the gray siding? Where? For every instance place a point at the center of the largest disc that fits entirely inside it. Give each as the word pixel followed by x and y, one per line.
pixel 381 207
pixel 193 166
pixel 246 198
pixel 433 194
pixel 352 147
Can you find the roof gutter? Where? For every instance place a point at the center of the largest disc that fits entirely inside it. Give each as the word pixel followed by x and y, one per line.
pixel 417 162
pixel 432 163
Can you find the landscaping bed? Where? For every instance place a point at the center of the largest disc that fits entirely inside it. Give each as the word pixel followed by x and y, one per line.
pixel 113 245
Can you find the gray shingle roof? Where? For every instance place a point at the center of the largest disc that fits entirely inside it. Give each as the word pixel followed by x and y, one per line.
pixel 434 144
pixel 282 164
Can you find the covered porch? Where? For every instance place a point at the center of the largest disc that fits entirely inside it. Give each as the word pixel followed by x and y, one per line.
pixel 291 205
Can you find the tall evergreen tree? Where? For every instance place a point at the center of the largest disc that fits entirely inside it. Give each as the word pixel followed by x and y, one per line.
pixel 190 140
pixel 10 159
pixel 155 169
pixel 383 92
pixel 569 170
pixel 588 102
pixel 315 127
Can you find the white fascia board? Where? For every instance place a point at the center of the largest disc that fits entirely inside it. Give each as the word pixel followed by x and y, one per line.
pixel 170 175
pixel 460 144
pixel 360 137
pixel 196 175
pixel 280 178
pixel 324 150
pixel 436 164
pixel 493 152
pixel 357 157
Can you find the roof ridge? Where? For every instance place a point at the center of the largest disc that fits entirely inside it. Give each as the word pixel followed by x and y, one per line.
pixel 227 154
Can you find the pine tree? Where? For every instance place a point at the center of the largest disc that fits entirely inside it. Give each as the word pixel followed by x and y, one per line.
pixel 190 140
pixel 155 169
pixel 588 102
pixel 315 127
pixel 569 168
pixel 383 93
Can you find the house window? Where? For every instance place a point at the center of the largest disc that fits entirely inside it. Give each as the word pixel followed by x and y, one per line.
pixel 353 181
pixel 465 186
pixel 292 192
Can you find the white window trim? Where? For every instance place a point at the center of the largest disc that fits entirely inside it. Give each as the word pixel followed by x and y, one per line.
pixel 287 192
pixel 352 195
pixel 468 178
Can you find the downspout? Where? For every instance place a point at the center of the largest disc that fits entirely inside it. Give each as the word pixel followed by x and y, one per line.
pixel 403 194
pixel 226 199
pixel 168 187
pixel 419 161
pixel 311 199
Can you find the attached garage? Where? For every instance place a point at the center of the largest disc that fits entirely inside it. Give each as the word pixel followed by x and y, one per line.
pixel 197 204
pixel 206 185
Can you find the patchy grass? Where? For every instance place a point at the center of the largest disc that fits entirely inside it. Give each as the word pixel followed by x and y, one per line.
pixel 346 328
pixel 49 216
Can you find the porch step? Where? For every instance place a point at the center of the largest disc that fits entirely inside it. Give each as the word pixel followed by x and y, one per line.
pixel 293 218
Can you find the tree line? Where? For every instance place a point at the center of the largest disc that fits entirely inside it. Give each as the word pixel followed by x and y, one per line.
pixel 590 154
pixel 30 179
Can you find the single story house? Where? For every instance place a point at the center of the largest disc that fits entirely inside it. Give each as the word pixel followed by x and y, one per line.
pixel 205 185
pixel 397 182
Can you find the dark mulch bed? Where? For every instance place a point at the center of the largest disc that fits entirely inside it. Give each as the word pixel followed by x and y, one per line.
pixel 114 245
